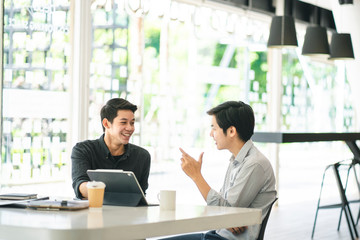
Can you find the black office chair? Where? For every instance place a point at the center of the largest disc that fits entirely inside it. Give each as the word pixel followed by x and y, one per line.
pixel 264 222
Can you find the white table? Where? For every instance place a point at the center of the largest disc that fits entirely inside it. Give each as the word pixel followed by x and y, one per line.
pixel 120 222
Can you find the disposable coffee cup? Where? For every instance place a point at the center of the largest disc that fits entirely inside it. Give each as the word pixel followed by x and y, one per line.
pixel 95 194
pixel 167 200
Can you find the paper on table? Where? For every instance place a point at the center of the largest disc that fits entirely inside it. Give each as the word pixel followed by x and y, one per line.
pixel 24 201
pixel 17 196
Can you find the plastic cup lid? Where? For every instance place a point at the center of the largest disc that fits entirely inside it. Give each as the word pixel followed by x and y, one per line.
pixel 94 184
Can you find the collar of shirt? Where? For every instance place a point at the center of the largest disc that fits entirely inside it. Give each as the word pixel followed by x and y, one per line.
pixel 242 153
pixel 106 150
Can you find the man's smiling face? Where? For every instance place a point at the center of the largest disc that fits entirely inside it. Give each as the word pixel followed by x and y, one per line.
pixel 122 127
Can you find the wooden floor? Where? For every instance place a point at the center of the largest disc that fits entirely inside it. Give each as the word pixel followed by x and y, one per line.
pixel 295 221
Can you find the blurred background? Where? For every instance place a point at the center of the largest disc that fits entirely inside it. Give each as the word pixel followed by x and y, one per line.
pixel 175 60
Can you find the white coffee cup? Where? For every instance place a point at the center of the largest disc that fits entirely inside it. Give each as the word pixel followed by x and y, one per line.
pixel 167 200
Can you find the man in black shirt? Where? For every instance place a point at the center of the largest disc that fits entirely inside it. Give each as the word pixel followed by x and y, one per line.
pixel 112 150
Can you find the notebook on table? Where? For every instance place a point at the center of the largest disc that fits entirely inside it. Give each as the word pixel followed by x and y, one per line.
pixel 122 187
pixel 58 205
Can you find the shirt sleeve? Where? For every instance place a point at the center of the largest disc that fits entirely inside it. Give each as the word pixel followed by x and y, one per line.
pixel 242 191
pixel 145 175
pixel 80 164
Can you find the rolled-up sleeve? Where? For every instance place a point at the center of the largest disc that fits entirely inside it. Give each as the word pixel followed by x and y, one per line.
pixel 214 198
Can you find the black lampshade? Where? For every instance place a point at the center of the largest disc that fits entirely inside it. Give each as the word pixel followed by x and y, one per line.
pixel 316 41
pixel 341 47
pixel 341 2
pixel 282 32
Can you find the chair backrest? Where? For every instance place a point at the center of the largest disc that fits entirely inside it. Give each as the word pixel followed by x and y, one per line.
pixel 264 222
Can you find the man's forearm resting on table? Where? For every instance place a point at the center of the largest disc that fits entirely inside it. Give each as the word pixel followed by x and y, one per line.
pixel 83 189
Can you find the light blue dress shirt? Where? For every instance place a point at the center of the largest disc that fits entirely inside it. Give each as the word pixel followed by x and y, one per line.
pixel 250 183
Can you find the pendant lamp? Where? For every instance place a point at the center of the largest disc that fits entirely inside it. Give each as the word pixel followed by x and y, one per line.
pixel 315 42
pixel 341 47
pixel 341 2
pixel 282 32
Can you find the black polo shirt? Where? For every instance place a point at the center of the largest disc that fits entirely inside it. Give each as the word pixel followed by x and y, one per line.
pixel 94 154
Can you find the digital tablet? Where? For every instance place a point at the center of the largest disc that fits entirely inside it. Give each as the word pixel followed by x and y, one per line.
pixel 122 187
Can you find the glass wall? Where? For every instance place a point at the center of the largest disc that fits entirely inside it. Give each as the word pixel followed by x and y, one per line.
pixel 35 85
pixel 196 58
pixel 311 99
pixel 174 60
pixel 109 61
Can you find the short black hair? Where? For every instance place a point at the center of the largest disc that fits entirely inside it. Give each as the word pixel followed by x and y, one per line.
pixel 237 114
pixel 111 108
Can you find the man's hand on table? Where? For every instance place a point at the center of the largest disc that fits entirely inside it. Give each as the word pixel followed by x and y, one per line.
pixel 237 230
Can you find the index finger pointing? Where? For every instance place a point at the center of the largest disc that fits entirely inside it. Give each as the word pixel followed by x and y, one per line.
pixel 183 152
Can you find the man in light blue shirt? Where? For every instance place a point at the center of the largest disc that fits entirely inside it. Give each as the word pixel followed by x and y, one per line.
pixel 249 181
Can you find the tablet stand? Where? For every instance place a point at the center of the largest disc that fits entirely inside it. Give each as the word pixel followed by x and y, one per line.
pixel 123 199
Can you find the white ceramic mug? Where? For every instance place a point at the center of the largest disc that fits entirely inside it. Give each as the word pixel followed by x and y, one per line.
pixel 167 200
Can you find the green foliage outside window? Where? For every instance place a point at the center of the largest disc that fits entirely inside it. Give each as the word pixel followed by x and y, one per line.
pixel 103 37
pixel 152 39
pixel 258 63
pixel 219 52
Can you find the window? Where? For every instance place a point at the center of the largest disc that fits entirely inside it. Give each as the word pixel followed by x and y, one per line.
pixel 35 85
pixel 109 62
